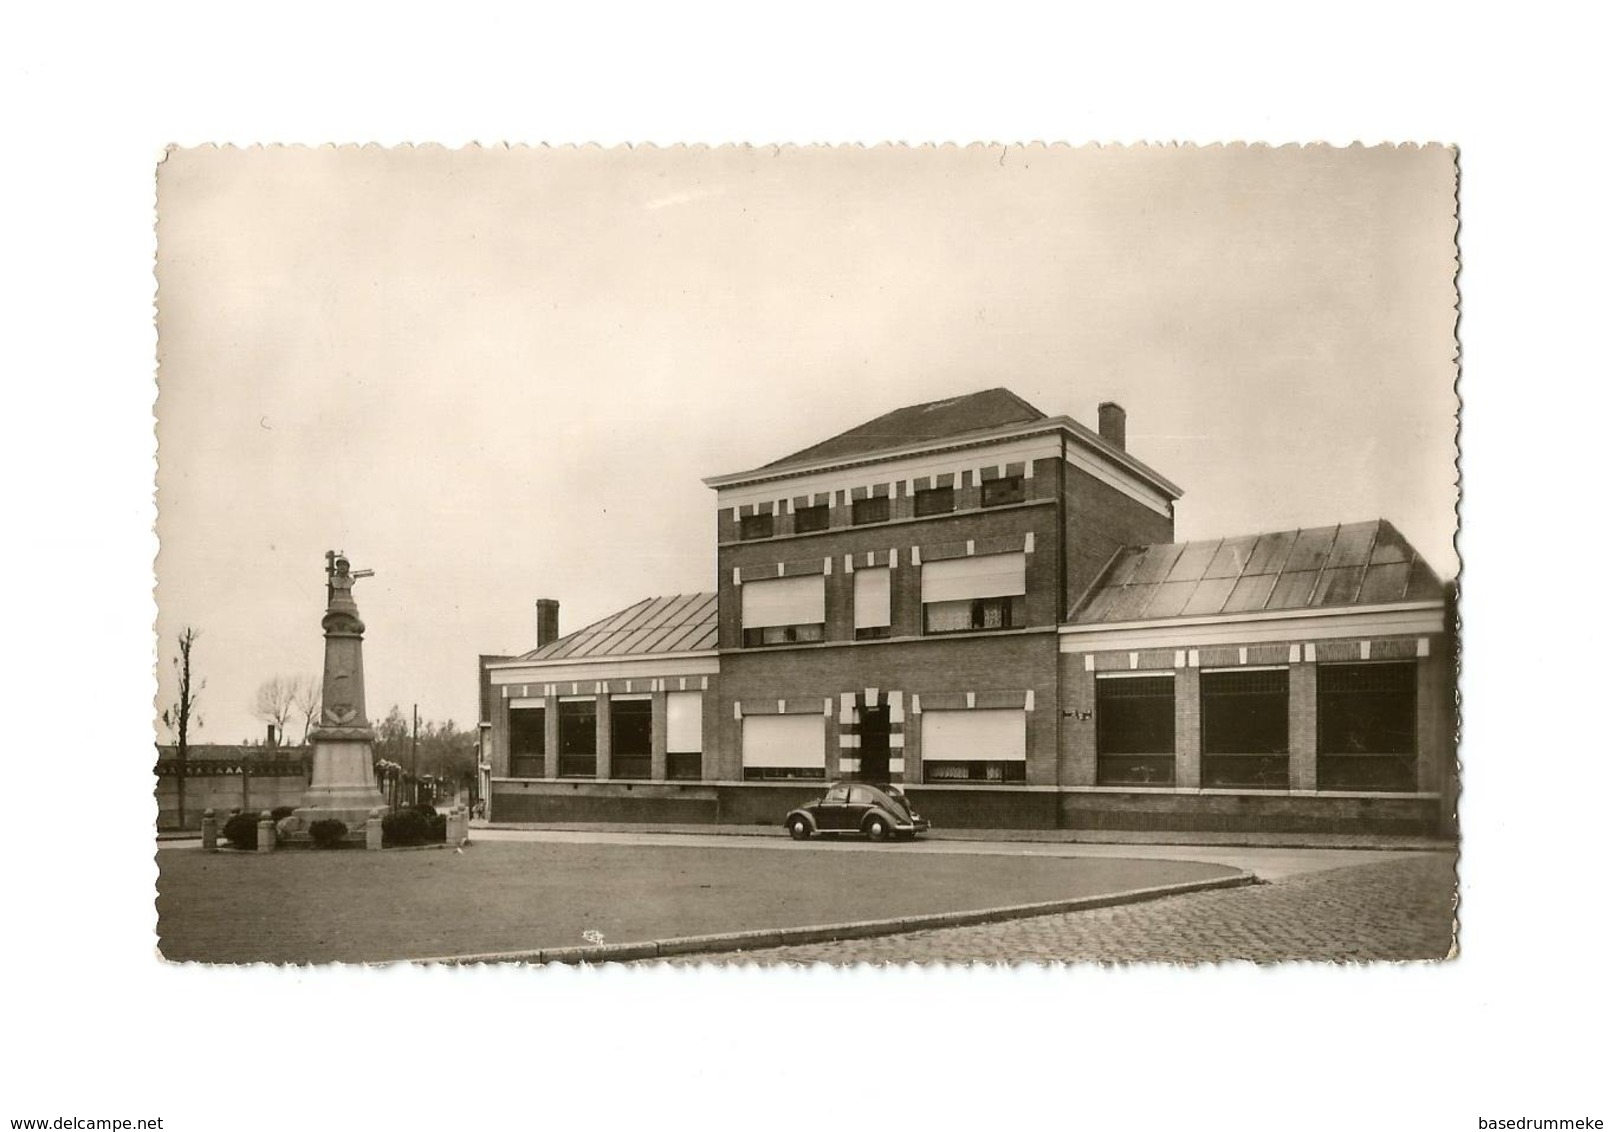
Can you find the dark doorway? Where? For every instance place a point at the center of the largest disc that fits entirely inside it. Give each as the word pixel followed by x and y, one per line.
pixel 874 740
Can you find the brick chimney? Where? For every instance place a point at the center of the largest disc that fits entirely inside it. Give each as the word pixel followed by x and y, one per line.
pixel 271 740
pixel 548 621
pixel 1112 424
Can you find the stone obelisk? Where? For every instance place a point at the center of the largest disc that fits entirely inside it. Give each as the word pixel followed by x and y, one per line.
pixel 342 784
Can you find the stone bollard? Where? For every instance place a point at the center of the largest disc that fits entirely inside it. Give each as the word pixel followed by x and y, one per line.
pixel 372 830
pixel 209 830
pixel 265 833
pixel 457 826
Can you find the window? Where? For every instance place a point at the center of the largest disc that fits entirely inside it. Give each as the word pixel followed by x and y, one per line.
pixel 577 737
pixel 985 745
pixel 683 734
pixel 1136 730
pixel 977 771
pixel 981 613
pixel 756 526
pixel 811 519
pixel 935 501
pixel 872 603
pixel 1366 727
pixel 1245 727
pixel 782 746
pixel 876 510
pixel 782 611
pixel 982 592
pixel 1008 489
pixel 526 741
pixel 630 738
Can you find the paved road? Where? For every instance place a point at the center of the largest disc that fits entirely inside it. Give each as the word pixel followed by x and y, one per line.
pixel 1266 863
pixel 1395 909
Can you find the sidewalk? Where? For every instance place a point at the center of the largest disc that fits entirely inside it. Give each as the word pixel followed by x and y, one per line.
pixel 1044 836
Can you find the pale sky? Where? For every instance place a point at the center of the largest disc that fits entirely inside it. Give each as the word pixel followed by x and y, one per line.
pixel 497 375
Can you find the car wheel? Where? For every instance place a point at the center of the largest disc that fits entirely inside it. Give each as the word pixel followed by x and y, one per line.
pixel 877 830
pixel 799 829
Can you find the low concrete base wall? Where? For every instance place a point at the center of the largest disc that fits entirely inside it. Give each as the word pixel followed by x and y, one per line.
pixel 1249 813
pixel 603 802
pixel 765 804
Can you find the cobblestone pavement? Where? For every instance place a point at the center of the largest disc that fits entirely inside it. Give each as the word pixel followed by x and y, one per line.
pixel 1397 909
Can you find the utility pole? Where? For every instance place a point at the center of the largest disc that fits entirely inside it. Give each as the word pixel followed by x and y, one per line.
pixel 414 753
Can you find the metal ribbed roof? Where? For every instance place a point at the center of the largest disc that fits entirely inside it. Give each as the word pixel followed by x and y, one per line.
pixel 1350 564
pixel 680 623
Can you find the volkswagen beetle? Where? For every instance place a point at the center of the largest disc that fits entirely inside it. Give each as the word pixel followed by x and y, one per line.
pixel 874 812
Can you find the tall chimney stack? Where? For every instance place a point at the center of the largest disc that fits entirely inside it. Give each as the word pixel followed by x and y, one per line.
pixel 1112 424
pixel 548 621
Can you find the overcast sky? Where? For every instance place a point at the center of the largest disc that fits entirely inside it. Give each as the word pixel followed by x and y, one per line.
pixel 493 376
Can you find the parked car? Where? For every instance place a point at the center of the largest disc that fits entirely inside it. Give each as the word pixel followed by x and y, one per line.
pixel 874 812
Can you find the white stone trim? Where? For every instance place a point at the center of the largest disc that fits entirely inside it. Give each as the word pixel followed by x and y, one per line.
pixel 1266 627
pixel 604 668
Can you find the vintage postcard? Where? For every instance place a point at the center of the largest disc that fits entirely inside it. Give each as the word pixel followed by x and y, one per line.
pixel 1001 553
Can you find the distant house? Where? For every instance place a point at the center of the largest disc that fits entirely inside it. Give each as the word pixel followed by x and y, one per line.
pixel 986 605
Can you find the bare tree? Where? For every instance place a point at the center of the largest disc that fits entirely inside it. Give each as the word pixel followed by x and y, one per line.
pixel 307 697
pixel 178 716
pixel 274 703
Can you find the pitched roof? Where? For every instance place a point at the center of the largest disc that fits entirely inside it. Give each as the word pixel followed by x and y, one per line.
pixel 914 424
pixel 1350 564
pixel 680 623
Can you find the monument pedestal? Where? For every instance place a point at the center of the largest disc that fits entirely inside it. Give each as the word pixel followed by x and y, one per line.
pixel 342 785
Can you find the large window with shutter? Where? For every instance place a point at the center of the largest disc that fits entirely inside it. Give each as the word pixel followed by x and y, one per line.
pixel 1366 726
pixel 782 746
pixel 526 739
pixel 1245 727
pixel 782 611
pixel 979 592
pixel 683 734
pixel 974 745
pixel 630 736
pixel 872 601
pixel 578 736
pixel 1136 729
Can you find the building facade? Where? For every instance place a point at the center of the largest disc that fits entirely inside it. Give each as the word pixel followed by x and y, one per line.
pixel 986 605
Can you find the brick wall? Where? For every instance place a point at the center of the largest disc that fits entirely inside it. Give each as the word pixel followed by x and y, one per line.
pixel 977 663
pixel 1098 520
pixel 1042 605
pixel 1435 703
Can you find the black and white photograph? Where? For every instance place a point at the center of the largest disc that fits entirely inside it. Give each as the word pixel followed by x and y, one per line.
pixel 807 554
pixel 719 566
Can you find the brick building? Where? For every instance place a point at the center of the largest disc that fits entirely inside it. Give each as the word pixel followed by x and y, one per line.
pixel 986 604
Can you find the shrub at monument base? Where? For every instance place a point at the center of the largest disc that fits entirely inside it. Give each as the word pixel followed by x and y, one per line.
pixel 241 831
pixel 280 812
pixel 327 833
pixel 413 827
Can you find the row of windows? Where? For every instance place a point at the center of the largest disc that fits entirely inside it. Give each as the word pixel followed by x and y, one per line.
pixel 958 595
pixel 932 501
pixel 578 734
pixel 1366 728
pixel 961 616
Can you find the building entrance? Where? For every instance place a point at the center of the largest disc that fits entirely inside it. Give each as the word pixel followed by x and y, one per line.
pixel 874 743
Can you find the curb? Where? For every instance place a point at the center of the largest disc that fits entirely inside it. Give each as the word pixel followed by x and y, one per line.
pixel 827 933
pixel 1120 838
